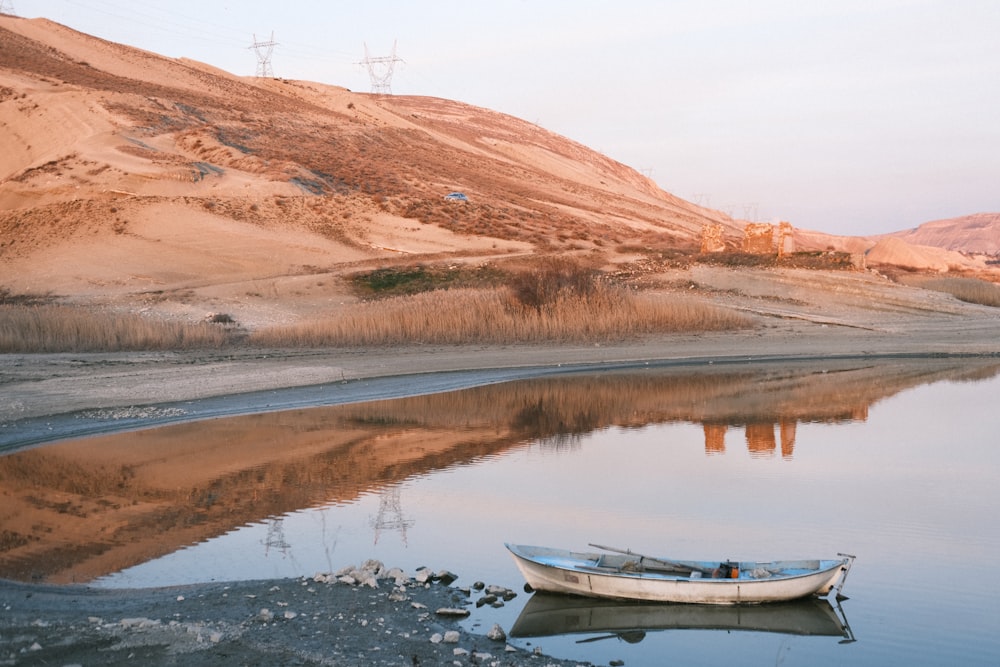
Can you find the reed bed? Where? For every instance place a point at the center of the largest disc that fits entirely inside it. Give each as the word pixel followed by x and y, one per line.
pixel 498 316
pixel 970 290
pixel 53 328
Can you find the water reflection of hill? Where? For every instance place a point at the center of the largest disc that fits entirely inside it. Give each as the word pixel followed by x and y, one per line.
pixel 81 509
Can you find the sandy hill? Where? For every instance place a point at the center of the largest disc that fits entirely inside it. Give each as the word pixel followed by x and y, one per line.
pixel 121 169
pixel 977 234
pixel 127 177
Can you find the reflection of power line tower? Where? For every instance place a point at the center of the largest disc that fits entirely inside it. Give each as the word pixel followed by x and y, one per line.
pixel 7 7
pixel 276 536
pixel 380 70
pixel 390 514
pixel 264 51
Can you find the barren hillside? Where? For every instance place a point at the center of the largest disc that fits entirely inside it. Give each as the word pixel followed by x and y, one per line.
pixel 978 233
pixel 148 183
pixel 124 171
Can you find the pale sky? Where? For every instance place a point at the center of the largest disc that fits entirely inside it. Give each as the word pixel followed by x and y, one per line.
pixel 844 116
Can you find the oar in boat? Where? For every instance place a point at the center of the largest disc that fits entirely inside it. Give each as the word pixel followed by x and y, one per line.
pixel 655 560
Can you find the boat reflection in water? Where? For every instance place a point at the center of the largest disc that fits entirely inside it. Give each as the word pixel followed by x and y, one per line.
pixel 547 615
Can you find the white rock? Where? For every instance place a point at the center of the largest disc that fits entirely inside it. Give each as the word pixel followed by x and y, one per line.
pixel 496 633
pixel 436 638
pixel 397 575
pixel 451 637
pixel 372 564
pixel 452 611
pixel 289 615
pixel 460 651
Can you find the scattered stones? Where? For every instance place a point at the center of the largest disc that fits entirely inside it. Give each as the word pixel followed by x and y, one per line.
pixel 249 619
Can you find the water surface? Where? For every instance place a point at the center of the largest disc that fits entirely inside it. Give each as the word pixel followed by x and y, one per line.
pixel 895 462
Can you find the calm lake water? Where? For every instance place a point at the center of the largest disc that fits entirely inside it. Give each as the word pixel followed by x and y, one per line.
pixel 896 462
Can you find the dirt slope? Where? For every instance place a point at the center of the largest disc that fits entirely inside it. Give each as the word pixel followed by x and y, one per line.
pixel 165 185
pixel 124 173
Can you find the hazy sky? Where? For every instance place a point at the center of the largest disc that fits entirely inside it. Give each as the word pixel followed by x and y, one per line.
pixel 846 116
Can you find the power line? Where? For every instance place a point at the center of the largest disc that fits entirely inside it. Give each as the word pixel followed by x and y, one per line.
pixel 7 7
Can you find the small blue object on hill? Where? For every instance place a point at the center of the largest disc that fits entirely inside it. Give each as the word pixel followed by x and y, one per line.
pixel 456 196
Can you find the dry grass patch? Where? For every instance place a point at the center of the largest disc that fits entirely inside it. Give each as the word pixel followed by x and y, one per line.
pixel 497 316
pixel 50 328
pixel 970 290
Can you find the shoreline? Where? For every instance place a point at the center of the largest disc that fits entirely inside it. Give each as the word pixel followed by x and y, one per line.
pixel 44 398
pixel 306 621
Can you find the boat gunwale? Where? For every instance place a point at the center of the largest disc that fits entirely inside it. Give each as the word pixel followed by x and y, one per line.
pixel 595 570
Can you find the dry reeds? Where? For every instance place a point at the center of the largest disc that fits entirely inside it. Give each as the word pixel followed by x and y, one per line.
pixel 970 290
pixel 52 328
pixel 497 316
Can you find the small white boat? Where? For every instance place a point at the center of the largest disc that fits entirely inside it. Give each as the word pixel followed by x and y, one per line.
pixel 625 575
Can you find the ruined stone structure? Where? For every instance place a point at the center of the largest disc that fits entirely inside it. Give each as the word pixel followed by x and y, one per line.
pixel 711 238
pixel 758 238
pixel 786 244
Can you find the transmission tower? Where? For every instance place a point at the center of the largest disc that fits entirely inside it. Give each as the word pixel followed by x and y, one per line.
pixel 264 51
pixel 7 7
pixel 276 536
pixel 390 514
pixel 380 70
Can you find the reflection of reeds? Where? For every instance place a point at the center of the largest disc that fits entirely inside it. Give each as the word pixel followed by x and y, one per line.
pixel 52 328
pixel 496 316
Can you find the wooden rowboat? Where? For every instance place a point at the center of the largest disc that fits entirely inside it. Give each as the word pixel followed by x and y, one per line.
pixel 625 575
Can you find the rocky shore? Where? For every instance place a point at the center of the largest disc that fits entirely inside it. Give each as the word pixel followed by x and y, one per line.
pixel 367 615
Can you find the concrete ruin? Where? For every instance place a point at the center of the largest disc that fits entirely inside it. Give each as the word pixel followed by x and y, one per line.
pixel 758 238
pixel 711 238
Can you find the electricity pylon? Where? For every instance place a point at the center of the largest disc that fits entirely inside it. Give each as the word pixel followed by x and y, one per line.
pixel 264 51
pixel 380 70
pixel 7 7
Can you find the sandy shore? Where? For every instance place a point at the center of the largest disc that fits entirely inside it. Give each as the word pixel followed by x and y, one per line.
pixel 51 397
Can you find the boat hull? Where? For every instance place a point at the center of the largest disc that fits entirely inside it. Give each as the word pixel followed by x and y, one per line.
pixel 596 575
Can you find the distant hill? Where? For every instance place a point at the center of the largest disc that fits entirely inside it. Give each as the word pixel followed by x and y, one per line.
pixel 978 233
